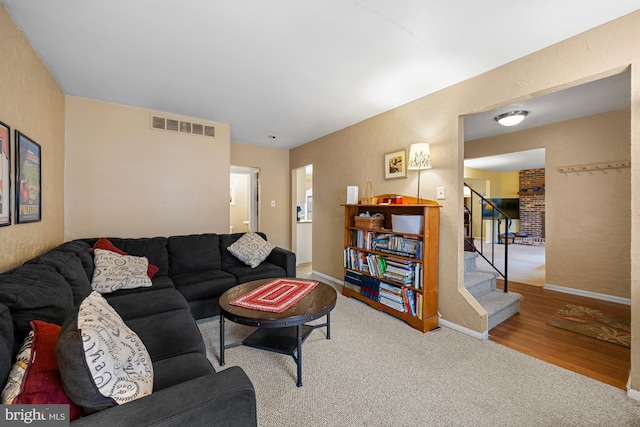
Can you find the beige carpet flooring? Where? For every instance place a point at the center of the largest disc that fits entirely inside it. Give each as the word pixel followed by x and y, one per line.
pixel 526 263
pixel 377 371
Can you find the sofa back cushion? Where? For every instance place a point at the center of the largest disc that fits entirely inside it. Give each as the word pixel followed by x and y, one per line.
pixel 193 253
pixel 154 248
pixel 35 291
pixel 69 265
pixel 228 259
pixel 81 250
pixel 6 343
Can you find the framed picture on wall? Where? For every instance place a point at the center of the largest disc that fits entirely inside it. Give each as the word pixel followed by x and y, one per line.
pixel 28 180
pixel 395 164
pixel 5 175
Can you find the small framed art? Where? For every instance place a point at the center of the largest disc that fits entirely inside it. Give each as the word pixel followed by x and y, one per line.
pixel 395 164
pixel 28 180
pixel 5 175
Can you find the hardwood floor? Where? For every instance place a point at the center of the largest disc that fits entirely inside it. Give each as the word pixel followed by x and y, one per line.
pixel 527 332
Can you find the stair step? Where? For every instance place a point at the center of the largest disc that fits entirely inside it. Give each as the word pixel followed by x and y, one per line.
pixel 500 305
pixel 470 261
pixel 479 283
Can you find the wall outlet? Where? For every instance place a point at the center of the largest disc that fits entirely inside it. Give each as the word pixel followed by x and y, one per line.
pixel 440 192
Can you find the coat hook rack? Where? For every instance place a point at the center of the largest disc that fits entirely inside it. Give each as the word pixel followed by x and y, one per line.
pixel 594 167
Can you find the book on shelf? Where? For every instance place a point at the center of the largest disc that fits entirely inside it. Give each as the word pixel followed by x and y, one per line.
pixel 353 277
pixel 408 246
pixel 409 297
pixel 370 288
pixel 398 306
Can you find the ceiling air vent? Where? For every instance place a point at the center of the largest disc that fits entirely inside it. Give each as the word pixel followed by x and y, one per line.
pixel 158 122
pixel 172 125
pixel 185 127
pixel 197 129
pixel 162 123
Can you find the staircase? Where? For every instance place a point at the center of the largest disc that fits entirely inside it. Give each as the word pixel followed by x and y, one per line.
pixel 481 284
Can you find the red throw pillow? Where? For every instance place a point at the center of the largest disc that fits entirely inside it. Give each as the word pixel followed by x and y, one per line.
pixel 41 383
pixel 104 243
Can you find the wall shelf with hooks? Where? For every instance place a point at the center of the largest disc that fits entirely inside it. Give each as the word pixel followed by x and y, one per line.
pixel 594 167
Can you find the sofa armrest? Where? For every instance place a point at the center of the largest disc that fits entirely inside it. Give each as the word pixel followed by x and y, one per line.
pixel 226 398
pixel 285 259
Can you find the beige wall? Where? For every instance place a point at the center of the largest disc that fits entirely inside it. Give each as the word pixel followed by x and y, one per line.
pixel 354 155
pixel 125 179
pixel 503 184
pixel 588 214
pixel 32 103
pixel 498 185
pixel 274 185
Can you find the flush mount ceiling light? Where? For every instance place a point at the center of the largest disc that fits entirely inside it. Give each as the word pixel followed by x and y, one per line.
pixel 511 118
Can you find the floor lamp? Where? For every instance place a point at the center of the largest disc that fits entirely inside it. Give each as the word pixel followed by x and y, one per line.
pixel 419 159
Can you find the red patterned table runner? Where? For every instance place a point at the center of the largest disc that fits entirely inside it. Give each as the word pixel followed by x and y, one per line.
pixel 275 296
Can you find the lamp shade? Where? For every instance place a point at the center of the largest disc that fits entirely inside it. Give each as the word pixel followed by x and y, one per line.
pixel 419 156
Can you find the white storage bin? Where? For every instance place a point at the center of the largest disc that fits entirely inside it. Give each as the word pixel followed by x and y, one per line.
pixel 412 224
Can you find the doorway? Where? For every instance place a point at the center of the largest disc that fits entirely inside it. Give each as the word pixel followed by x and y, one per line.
pixel 243 199
pixel 302 229
pixel 574 135
pixel 515 182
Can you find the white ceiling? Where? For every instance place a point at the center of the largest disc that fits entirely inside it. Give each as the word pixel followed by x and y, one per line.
pixel 509 162
pixel 294 69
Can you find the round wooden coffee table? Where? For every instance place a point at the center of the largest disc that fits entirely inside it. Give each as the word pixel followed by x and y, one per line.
pixel 279 332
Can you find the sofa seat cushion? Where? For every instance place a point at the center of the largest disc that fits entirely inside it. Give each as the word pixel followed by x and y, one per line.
pixel 192 253
pixel 144 304
pixel 204 284
pixel 178 369
pixel 157 283
pixel 168 334
pixel 263 271
pixel 102 362
pixel 35 291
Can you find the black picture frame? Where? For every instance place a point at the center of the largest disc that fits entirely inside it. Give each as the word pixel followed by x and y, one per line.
pixel 28 179
pixel 5 175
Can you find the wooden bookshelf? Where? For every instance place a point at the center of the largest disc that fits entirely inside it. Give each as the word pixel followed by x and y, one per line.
pixel 367 246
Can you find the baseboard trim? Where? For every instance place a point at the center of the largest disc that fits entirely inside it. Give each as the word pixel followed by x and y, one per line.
pixel 466 331
pixel 633 394
pixel 329 278
pixel 588 294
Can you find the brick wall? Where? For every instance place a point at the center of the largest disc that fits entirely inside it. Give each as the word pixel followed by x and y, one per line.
pixel 532 204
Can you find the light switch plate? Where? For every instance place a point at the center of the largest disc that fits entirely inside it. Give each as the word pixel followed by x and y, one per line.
pixel 440 192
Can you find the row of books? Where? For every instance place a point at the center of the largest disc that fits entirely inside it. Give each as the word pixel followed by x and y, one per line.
pixel 402 271
pixel 399 298
pixel 407 246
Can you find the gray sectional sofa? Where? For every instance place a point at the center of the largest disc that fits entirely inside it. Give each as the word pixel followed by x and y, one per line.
pixel 193 271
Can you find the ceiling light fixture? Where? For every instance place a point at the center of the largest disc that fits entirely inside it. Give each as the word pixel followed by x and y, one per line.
pixel 511 118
